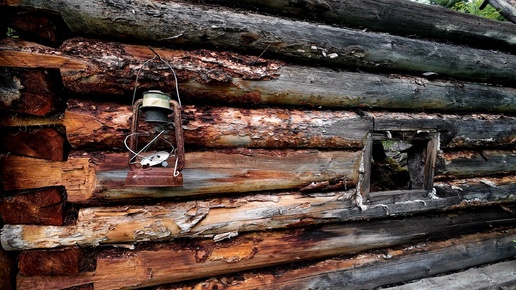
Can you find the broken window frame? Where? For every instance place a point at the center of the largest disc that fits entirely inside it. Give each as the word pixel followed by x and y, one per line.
pixel 432 147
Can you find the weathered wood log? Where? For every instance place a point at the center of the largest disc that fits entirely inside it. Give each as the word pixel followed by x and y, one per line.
pixel 103 125
pixel 495 276
pixel 103 68
pixel 57 262
pixel 43 207
pixel 195 25
pixel 507 8
pixel 391 266
pixel 33 92
pixel 103 176
pixel 224 218
pixel 206 258
pixel 45 143
pixel 489 162
pixel 393 16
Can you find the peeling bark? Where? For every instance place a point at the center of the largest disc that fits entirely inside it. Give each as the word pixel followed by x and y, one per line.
pixel 206 258
pixel 218 217
pixel 91 67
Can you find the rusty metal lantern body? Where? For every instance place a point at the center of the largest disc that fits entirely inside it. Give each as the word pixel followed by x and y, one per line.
pixel 158 169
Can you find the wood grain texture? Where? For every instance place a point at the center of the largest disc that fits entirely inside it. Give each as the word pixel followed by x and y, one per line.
pixel 37 207
pixel 50 262
pixel 160 264
pixel 35 92
pixel 221 218
pixel 39 142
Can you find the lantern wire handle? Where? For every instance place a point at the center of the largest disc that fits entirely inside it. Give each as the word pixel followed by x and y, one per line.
pixel 169 66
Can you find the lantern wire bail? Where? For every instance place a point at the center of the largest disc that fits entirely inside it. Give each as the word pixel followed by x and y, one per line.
pixel 167 64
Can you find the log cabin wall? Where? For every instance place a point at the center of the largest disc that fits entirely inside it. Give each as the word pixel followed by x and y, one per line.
pixel 329 144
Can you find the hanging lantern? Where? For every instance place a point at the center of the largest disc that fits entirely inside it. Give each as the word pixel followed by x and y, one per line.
pixel 155 168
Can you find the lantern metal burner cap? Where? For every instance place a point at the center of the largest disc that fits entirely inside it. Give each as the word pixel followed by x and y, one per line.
pixel 156 106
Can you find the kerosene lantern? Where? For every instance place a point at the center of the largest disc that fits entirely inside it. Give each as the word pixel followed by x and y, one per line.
pixel 160 168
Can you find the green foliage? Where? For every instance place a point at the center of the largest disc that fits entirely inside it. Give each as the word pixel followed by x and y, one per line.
pixel 473 7
pixel 467 6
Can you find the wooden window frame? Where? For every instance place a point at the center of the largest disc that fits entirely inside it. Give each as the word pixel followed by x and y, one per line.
pixel 432 148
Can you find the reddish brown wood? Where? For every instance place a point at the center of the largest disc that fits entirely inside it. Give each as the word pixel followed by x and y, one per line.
pixel 34 92
pixel 40 142
pixel 7 270
pixel 38 207
pixel 50 262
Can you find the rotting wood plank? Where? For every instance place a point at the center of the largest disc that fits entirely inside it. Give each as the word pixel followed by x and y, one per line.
pixel 93 67
pixel 496 276
pixel 37 207
pixel 223 218
pixel 156 264
pixel 393 16
pixel 35 92
pixel 102 177
pixel 195 25
pixel 39 142
pixel 375 269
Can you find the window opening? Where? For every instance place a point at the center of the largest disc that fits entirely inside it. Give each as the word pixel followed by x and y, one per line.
pixel 402 160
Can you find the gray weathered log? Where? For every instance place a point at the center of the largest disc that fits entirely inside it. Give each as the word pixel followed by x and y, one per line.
pixel 92 67
pixel 496 276
pixel 194 25
pixel 393 16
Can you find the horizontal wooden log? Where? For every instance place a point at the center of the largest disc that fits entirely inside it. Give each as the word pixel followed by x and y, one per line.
pixel 50 262
pixel 204 173
pixel 44 143
pixel 393 16
pixel 35 92
pixel 37 207
pixel 468 163
pixel 91 124
pixel 91 67
pixel 223 218
pixel 195 25
pixel 156 264
pixel 498 276
pixel 373 269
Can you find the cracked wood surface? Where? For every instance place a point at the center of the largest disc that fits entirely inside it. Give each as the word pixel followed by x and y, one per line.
pixel 102 177
pixel 157 264
pixel 93 67
pixel 195 25
pixel 217 217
